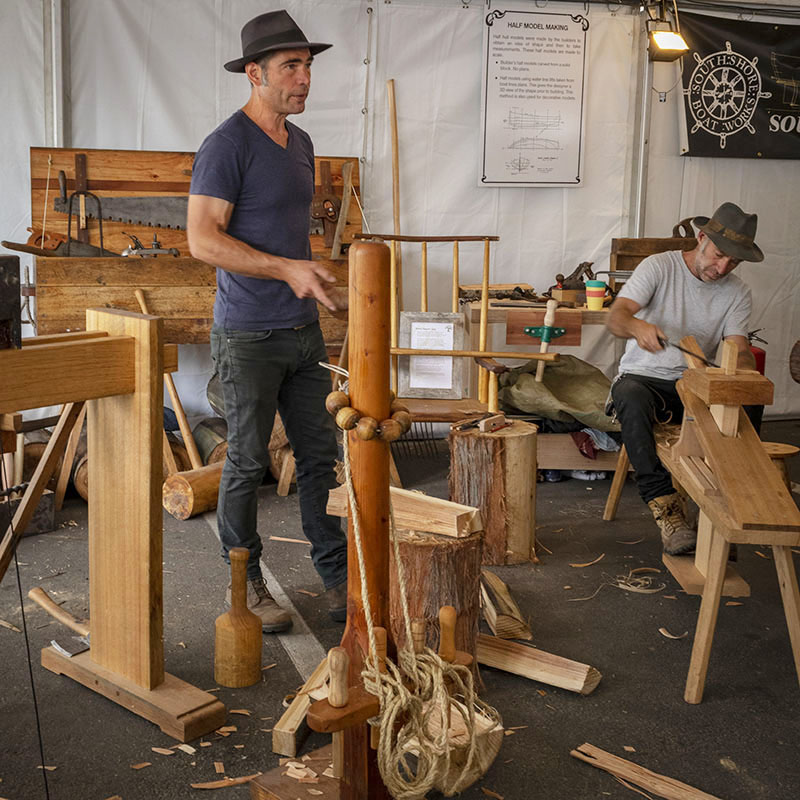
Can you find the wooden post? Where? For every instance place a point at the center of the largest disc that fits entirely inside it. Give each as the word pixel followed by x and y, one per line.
pixel 483 376
pixel 423 302
pixel 394 316
pixel 454 308
pixel 369 394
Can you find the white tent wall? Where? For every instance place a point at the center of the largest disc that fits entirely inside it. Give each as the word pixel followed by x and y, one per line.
pixel 149 75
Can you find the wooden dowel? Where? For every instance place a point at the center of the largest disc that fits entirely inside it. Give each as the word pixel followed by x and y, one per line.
pixel 338 695
pixel 455 278
pixel 418 634
pixel 493 404
pixel 410 351
pixel 483 384
pixel 423 303
pixel 388 237
pixel 395 177
pixel 393 315
pixel 177 406
pixel 549 321
pixel 447 633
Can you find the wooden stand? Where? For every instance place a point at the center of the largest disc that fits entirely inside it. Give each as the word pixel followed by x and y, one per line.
pixel 440 571
pixel 722 464
pixel 497 473
pixel 119 369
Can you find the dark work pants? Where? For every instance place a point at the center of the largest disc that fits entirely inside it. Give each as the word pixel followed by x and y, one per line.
pixel 640 402
pixel 261 372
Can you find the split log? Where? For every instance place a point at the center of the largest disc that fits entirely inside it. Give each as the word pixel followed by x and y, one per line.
pixel 625 770
pixel 500 610
pixel 419 512
pixel 537 665
pixel 439 571
pixel 497 473
pixel 186 494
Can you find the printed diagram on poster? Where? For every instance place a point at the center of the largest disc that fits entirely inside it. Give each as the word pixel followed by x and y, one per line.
pixel 533 95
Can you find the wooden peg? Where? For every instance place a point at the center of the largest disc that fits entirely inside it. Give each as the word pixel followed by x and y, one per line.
pixel 338 695
pixel 447 633
pixel 418 634
pixel 549 321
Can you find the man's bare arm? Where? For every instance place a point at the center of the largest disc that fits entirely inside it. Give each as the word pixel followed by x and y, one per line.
pixel 206 229
pixel 744 357
pixel 623 323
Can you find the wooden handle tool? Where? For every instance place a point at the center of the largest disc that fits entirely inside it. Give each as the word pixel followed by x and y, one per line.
pixel 338 695
pixel 549 321
pixel 447 634
pixel 237 642
pixel 177 406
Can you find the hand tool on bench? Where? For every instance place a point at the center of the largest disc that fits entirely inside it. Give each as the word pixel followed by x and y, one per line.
pixel 546 334
pixel 177 407
pixel 668 343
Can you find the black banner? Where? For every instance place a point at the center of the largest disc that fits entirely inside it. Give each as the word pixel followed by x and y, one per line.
pixel 741 87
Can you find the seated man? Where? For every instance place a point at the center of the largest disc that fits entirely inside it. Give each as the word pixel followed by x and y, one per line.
pixel 671 295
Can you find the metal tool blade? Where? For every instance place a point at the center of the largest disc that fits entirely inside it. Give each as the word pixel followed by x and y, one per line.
pixel 153 212
pixel 667 342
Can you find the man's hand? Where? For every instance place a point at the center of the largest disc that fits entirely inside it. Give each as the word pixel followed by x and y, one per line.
pixel 623 323
pixel 309 279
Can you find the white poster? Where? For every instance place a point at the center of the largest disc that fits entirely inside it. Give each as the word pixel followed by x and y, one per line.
pixel 431 372
pixel 533 96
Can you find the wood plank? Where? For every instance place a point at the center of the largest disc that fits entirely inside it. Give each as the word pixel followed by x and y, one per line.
pixel 181 710
pixel 424 409
pixel 285 738
pixel 692 581
pixel 125 517
pixel 529 662
pixel 132 272
pixel 518 320
pixel 559 451
pixel 418 512
pixel 51 374
pixel 176 331
pixel 661 785
pixel 748 388
pixel 787 579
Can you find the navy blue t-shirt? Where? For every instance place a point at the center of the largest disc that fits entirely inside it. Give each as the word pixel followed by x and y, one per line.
pixel 271 189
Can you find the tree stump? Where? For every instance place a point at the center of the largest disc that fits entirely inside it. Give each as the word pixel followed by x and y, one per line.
pixel 439 571
pixel 497 473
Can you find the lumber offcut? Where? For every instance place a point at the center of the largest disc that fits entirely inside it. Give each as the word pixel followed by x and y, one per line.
pixel 529 662
pixel 419 512
pixel 497 473
pixel 186 494
pixel 660 785
pixel 286 733
pixel 439 571
pixel 500 610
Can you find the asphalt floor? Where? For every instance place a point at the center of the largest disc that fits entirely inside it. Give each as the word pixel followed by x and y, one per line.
pixel 740 743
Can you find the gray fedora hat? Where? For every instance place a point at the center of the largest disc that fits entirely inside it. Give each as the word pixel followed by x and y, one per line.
pixel 275 30
pixel 733 232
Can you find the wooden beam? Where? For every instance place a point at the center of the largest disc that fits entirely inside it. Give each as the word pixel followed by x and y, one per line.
pixel 50 374
pixel 528 662
pixel 419 512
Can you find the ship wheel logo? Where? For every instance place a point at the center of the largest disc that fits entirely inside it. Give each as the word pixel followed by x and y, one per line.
pixel 723 93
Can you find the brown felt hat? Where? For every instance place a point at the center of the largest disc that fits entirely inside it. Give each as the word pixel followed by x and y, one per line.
pixel 733 232
pixel 275 30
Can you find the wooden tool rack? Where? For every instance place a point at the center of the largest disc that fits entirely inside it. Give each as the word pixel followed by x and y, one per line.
pixel 116 366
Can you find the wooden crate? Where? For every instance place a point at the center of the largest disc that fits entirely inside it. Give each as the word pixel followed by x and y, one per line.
pixel 179 289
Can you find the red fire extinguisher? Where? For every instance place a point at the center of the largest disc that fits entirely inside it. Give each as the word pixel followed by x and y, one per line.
pixel 759 353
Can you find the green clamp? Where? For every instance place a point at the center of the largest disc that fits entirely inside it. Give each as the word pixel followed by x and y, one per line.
pixel 544 332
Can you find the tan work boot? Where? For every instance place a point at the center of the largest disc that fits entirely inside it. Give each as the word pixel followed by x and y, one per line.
pixel 669 513
pixel 273 618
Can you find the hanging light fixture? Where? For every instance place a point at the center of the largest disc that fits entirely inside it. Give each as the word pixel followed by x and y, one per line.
pixel 665 42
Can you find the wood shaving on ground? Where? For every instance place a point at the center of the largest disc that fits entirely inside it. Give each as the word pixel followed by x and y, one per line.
pixel 163 751
pixel 733 603
pixel 243 711
pixel 182 644
pixel 543 547
pixel 141 765
pixel 187 748
pixel 490 793
pixel 219 767
pixel 263 669
pixel 48 768
pixel 310 594
pixel 227 729
pixel 293 541
pixel 589 563
pixel 669 597
pixel 238 746
pixel 328 773
pixel 8 625
pixel 635 541
pixel 640 584
pixel 633 788
pixel 225 782
pixel 763 555
pixel 205 744
pixel 628 749
pixel 508 733
pixel 517 728
pixel 665 632
pixel 314 791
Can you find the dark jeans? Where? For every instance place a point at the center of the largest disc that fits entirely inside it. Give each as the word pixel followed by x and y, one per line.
pixel 262 371
pixel 640 403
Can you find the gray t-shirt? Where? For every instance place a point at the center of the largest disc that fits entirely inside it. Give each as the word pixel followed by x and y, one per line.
pixel 682 305
pixel 271 189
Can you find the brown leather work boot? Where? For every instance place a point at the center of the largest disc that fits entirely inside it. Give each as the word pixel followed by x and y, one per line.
pixel 669 513
pixel 273 618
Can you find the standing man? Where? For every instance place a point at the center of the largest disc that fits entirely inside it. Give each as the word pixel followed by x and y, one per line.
pixel 669 296
pixel 249 211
